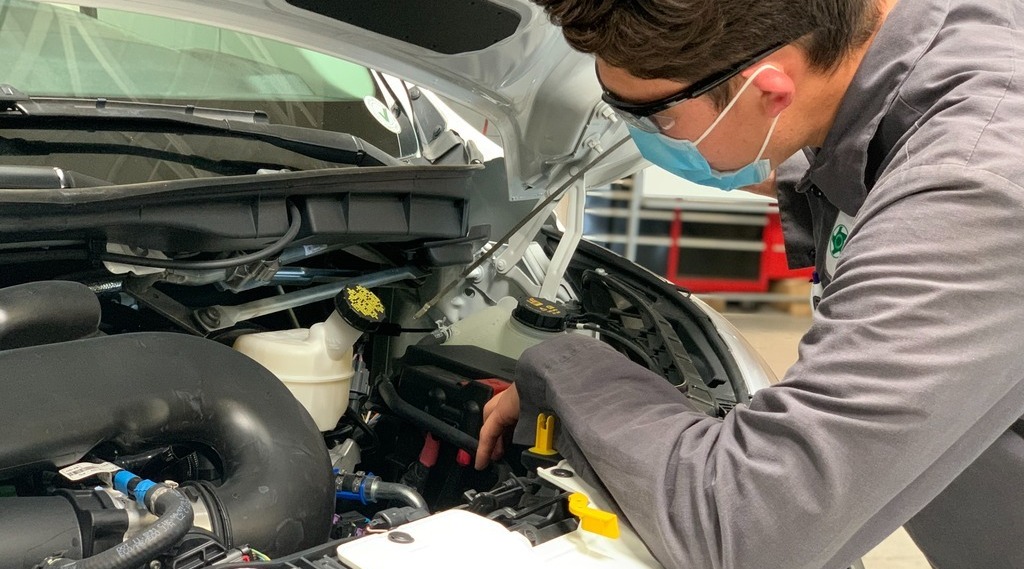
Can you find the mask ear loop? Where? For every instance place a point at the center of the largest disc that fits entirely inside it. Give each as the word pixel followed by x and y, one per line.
pixel 768 139
pixel 721 116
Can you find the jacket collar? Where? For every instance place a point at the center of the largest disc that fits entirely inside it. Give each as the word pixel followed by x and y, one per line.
pixel 840 166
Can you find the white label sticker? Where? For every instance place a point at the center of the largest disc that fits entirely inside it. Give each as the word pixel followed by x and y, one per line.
pixel 383 114
pixel 84 470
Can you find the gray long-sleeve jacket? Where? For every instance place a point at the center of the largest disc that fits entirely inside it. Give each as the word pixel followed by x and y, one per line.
pixel 913 369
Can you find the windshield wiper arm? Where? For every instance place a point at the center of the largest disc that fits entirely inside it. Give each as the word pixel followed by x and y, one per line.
pixel 22 111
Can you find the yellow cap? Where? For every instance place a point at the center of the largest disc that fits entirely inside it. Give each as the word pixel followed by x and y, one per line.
pixel 593 520
pixel 362 309
pixel 545 444
pixel 365 302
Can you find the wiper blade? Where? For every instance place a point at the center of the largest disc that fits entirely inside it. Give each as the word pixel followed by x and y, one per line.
pixel 18 110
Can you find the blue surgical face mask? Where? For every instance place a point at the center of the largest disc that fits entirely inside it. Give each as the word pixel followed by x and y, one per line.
pixel 682 158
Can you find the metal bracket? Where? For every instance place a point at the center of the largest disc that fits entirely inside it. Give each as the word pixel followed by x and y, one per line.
pixel 218 317
pixel 141 288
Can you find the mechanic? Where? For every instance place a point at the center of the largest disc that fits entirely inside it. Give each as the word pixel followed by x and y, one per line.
pixel 905 404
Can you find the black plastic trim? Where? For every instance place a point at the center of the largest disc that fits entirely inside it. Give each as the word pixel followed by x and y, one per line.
pixel 591 256
pixel 213 215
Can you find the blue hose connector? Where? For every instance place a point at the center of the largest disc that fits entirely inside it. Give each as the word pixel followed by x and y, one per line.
pixel 133 486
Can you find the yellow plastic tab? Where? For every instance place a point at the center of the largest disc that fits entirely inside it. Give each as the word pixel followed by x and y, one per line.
pixel 545 444
pixel 593 520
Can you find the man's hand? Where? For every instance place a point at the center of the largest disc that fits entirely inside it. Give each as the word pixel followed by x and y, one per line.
pixel 500 413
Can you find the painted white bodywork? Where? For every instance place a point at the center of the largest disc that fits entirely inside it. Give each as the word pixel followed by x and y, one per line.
pixel 460 540
pixel 541 96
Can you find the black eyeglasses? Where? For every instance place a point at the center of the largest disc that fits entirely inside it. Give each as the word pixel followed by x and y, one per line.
pixel 645 115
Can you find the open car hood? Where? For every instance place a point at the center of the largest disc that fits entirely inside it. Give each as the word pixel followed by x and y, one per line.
pixel 500 58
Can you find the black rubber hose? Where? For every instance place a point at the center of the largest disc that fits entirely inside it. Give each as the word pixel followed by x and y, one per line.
pixel 625 343
pixel 174 520
pixel 391 491
pixel 424 420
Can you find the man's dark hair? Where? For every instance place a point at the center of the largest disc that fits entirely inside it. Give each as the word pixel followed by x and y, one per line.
pixel 687 40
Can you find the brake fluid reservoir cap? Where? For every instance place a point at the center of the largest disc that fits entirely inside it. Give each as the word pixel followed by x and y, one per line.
pixel 360 308
pixel 540 314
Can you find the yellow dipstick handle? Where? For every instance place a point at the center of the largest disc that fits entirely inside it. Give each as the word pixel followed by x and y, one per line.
pixel 593 520
pixel 545 444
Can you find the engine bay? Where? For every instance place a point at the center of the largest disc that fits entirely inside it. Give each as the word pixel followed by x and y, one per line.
pixel 170 403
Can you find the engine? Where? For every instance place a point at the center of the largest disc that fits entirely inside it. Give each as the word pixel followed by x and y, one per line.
pixel 136 435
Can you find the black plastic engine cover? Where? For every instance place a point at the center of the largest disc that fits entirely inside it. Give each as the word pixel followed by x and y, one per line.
pixel 441 380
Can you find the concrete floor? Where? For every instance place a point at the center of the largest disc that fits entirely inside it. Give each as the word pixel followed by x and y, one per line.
pixel 776 336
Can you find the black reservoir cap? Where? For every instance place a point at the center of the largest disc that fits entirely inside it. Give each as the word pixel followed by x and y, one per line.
pixel 540 314
pixel 362 309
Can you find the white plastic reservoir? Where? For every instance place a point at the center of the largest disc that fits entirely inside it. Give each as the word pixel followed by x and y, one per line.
pixel 509 327
pixel 315 363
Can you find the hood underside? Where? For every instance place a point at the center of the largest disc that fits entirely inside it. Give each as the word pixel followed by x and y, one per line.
pixel 502 58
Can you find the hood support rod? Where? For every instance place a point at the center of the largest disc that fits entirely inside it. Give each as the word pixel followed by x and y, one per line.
pixel 505 238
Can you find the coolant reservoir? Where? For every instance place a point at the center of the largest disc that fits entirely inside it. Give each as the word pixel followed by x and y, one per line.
pixel 316 363
pixel 510 327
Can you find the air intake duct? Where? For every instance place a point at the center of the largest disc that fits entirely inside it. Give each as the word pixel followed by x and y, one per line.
pixel 139 391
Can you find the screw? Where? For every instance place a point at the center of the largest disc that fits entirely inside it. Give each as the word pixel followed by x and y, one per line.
pixel 414 93
pixel 209 317
pixel 561 473
pixel 154 564
pixel 400 537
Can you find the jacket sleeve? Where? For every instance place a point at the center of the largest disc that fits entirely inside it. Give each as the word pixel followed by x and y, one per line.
pixel 910 370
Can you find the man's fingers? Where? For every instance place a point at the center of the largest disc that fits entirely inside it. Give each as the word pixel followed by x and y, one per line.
pixel 499 449
pixel 499 413
pixel 490 433
pixel 489 406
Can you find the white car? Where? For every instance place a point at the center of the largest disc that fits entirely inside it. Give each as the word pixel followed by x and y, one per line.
pixel 257 289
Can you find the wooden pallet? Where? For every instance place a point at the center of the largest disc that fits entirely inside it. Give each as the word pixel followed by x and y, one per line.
pixel 797 289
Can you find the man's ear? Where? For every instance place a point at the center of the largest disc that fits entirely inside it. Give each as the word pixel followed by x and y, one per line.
pixel 776 87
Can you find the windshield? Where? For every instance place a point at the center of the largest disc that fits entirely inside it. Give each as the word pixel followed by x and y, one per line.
pixel 63 50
